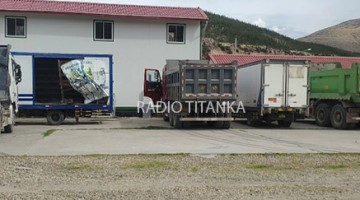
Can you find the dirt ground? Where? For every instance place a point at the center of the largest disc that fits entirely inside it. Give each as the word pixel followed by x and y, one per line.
pixel 181 176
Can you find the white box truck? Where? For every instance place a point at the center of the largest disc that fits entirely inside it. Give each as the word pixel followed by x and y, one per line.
pixel 10 76
pixel 273 90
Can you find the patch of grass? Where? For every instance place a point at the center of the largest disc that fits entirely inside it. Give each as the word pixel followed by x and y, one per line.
pixel 49 132
pixel 194 169
pixel 332 166
pixel 78 167
pixel 148 165
pixel 258 166
pixel 170 155
pixel 144 127
pixel 97 155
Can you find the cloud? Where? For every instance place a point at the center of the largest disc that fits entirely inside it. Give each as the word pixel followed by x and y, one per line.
pixel 278 29
pixel 275 28
pixel 260 23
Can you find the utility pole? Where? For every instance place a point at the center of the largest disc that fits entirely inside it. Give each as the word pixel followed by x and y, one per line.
pixel 236 42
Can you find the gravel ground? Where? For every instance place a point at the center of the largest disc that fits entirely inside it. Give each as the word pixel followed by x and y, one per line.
pixel 183 176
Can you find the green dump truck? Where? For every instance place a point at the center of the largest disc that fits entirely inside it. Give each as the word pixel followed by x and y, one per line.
pixel 335 97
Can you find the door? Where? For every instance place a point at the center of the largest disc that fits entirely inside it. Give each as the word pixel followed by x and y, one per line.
pixel 274 85
pixel 152 85
pixel 298 86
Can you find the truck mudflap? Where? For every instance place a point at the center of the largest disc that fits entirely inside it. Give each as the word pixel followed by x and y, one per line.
pixel 203 119
pixel 352 115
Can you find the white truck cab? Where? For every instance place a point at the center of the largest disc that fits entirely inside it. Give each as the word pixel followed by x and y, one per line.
pixel 10 76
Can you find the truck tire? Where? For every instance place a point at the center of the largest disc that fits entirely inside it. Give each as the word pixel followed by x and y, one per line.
pixel 8 128
pixel 251 121
pixel 171 119
pixel 284 123
pixel 187 125
pixel 177 123
pixel 55 117
pixel 322 115
pixel 338 117
pixel 166 117
pixel 219 125
pixel 227 125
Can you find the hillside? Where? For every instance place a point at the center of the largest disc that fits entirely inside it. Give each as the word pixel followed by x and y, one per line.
pixel 344 36
pixel 222 31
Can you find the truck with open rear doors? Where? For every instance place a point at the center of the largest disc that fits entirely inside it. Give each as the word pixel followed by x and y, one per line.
pixel 65 85
pixel 10 76
pixel 193 91
pixel 273 90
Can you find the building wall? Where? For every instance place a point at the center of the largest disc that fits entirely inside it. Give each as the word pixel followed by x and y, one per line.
pixel 137 44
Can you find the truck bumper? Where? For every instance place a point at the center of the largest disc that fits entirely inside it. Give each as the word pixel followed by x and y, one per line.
pixel 288 116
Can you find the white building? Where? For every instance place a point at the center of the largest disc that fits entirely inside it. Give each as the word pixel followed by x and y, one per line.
pixel 136 37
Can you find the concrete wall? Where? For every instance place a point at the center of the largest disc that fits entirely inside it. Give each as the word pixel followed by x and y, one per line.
pixel 137 44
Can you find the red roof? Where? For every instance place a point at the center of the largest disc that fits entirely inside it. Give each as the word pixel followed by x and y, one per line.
pixel 345 62
pixel 97 9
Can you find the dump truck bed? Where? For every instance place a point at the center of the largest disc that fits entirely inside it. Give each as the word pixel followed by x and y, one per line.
pixel 337 84
pixel 199 80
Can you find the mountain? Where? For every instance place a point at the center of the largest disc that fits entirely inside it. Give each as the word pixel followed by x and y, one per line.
pixel 221 33
pixel 343 36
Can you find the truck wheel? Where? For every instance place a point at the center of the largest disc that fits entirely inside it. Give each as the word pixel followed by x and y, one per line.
pixel 227 125
pixel 8 128
pixel 218 125
pixel 55 117
pixel 338 117
pixel 166 117
pixel 322 115
pixel 252 122
pixel 171 119
pixel 177 123
pixel 284 123
pixel 187 125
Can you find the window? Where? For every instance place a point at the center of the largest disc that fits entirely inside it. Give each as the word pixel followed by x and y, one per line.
pixel 103 30
pixel 15 27
pixel 176 33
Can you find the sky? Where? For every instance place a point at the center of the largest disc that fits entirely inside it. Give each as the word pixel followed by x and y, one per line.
pixel 294 19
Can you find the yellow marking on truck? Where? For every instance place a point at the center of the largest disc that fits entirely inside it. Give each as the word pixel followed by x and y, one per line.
pixel 273 99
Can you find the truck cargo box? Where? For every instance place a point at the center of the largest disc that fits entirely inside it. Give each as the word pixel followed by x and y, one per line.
pixel 273 89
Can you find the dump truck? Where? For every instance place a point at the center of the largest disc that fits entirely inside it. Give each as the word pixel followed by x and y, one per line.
pixel 60 86
pixel 10 76
pixel 335 97
pixel 273 90
pixel 193 91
